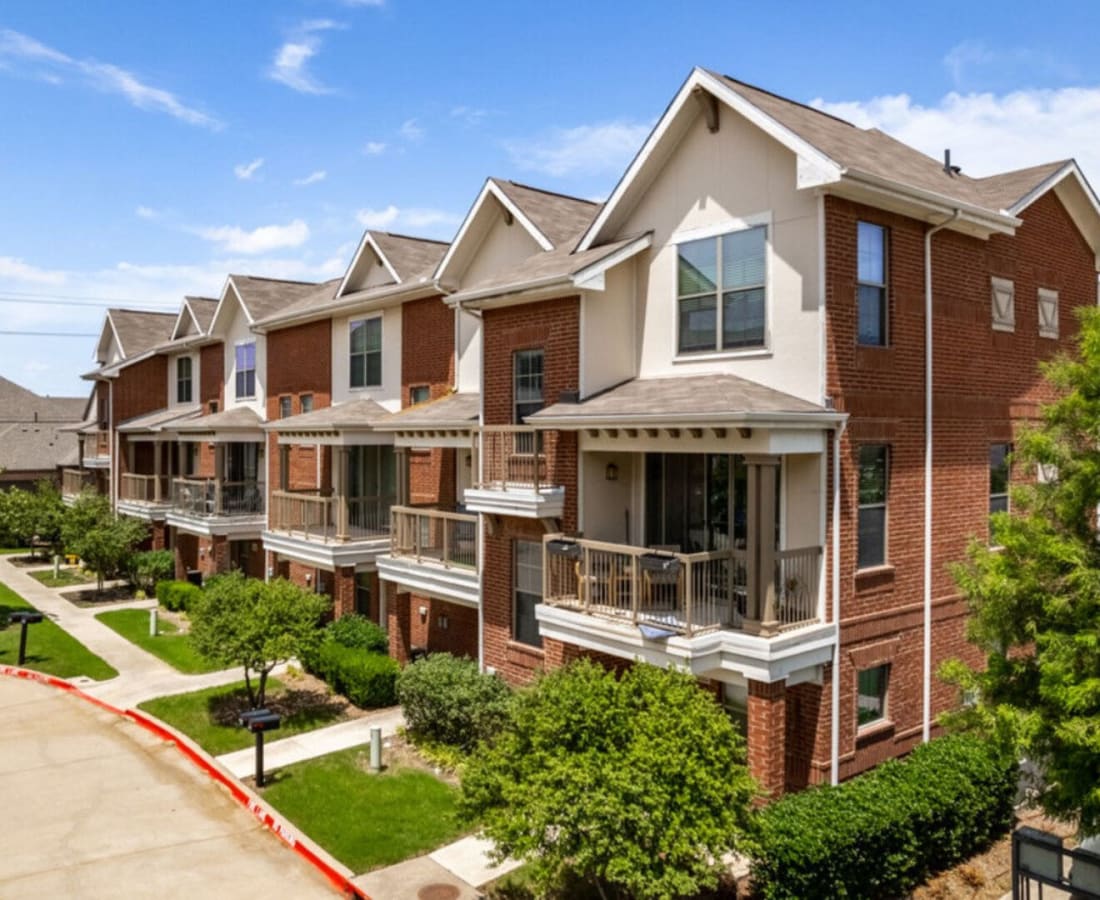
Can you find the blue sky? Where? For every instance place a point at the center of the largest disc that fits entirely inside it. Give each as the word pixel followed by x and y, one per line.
pixel 148 149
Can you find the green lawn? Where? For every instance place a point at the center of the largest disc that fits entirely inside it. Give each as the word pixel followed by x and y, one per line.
pixel 66 578
pixel 365 820
pixel 50 649
pixel 174 648
pixel 210 716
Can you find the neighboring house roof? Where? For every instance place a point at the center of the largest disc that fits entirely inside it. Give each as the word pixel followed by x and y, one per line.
pixel 449 412
pixel 138 331
pixel 411 258
pixel 160 420
pixel 237 419
pixel 35 447
pixel 18 404
pixel 559 217
pixel 1005 190
pixel 263 297
pixel 715 399
pixel 203 310
pixel 360 415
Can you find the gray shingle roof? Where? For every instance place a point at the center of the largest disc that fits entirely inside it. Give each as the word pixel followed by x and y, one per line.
pixel 452 411
pixel 1004 190
pixel 696 397
pixel 238 418
pixel 413 258
pixel 263 297
pixel 18 404
pixel 36 446
pixel 355 414
pixel 139 331
pixel 560 217
pixel 203 308
pixel 157 421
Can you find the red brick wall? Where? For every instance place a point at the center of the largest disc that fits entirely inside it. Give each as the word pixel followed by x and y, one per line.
pixel 767 715
pixel 141 388
pixel 427 347
pixel 444 628
pixel 212 376
pixel 986 383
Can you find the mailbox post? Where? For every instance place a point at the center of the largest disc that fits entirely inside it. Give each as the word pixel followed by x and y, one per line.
pixel 24 618
pixel 259 722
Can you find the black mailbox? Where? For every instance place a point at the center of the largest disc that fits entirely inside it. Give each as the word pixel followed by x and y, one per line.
pixel 25 617
pixel 268 722
pixel 244 717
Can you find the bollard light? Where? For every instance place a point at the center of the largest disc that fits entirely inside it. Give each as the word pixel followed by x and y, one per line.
pixel 24 618
pixel 259 721
pixel 153 622
pixel 376 749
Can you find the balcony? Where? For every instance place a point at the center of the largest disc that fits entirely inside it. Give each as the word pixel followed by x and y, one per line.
pixel 205 498
pixel 75 481
pixel 332 518
pixel 148 489
pixel 707 610
pixel 433 552
pixel 96 449
pixel 519 466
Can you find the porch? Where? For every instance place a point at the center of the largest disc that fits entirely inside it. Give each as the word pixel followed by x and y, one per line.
pixel 205 498
pixel 521 471
pixel 313 514
pixel 75 481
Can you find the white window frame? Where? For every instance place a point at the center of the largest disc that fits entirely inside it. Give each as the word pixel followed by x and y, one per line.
pixel 884 285
pixel 884 716
pixel 238 372
pixel 884 506
pixel 367 385
pixel 1003 304
pixel 190 380
pixel 717 230
pixel 1048 313
pixel 516 590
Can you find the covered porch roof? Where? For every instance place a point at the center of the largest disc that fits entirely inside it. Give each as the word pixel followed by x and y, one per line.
pixel 238 424
pixel 446 422
pixel 354 422
pixel 156 423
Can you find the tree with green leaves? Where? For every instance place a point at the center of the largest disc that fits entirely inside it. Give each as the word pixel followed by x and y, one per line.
pixel 103 540
pixel 1035 598
pixel 634 785
pixel 247 622
pixel 32 517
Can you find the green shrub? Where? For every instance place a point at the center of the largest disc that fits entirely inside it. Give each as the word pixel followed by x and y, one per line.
pixel 150 568
pixel 883 833
pixel 449 700
pixel 366 679
pixel 358 632
pixel 177 596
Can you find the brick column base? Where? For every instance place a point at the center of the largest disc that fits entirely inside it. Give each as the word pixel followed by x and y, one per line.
pixel 767 735
pixel 157 536
pixel 397 622
pixel 343 591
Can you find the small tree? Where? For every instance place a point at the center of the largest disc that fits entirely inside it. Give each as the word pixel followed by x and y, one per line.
pixel 1035 601
pixel 255 624
pixel 37 515
pixel 105 541
pixel 637 783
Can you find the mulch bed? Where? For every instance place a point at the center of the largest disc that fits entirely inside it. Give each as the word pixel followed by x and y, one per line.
pixel 29 562
pixel 87 597
pixel 303 692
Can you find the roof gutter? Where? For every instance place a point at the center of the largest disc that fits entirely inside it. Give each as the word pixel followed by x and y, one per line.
pixel 928 385
pixel 813 420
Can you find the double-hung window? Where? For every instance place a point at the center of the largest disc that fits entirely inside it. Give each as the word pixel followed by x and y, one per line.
pixel 873 303
pixel 183 379
pixel 871 702
pixel 873 463
pixel 528 592
pixel 527 393
pixel 419 394
pixel 366 352
pixel 721 291
pixel 306 401
pixel 285 407
pixel 246 370
pixel 998 479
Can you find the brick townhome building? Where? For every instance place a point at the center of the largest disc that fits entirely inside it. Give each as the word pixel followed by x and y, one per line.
pixel 740 419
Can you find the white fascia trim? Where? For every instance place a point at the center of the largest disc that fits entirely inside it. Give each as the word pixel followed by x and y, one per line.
pixel 1052 181
pixel 726 226
pixel 114 332
pixel 221 303
pixel 489 188
pixel 829 169
pixel 366 241
pixel 591 277
pixel 330 556
pixel 812 421
pixel 1001 223
pixel 359 301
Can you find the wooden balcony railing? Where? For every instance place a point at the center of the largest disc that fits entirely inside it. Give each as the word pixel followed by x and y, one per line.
pixel 683 593
pixel 97 445
pixel 330 518
pixel 74 481
pixel 143 488
pixel 518 457
pixel 208 497
pixel 434 536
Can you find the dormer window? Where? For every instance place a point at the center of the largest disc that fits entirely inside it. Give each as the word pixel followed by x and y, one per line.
pixel 183 380
pixel 246 370
pixel 721 284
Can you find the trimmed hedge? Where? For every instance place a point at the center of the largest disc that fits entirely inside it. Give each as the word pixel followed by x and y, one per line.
pixel 366 679
pixel 358 632
pixel 449 700
pixel 177 596
pixel 882 833
pixel 150 568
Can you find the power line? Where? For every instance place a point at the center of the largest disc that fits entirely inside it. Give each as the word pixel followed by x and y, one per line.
pixel 71 296
pixel 48 334
pixel 44 302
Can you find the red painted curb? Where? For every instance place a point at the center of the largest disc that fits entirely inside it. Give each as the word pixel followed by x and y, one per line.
pixel 257 809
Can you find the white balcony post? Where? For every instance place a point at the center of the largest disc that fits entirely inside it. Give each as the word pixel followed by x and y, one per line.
pixel 763 479
pixel 157 450
pixel 340 475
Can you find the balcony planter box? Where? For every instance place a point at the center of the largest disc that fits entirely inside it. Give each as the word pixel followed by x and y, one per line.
pixel 564 549
pixel 659 563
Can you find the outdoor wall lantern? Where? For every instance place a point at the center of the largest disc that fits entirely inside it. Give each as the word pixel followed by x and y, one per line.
pixel 611 473
pixel 24 618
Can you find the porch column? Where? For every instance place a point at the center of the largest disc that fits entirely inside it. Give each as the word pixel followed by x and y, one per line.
pixel 340 488
pixel 402 463
pixel 158 449
pixel 284 467
pixel 767 735
pixel 219 475
pixel 763 475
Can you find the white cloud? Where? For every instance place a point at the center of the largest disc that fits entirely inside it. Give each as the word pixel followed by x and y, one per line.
pixel 17 270
pixel 374 148
pixel 146 212
pixel 44 63
pixel 245 171
pixel 311 178
pixel 975 61
pixel 989 132
pixel 290 66
pixel 584 150
pixel 410 130
pixel 469 115
pixel 411 217
pixel 34 366
pixel 259 240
